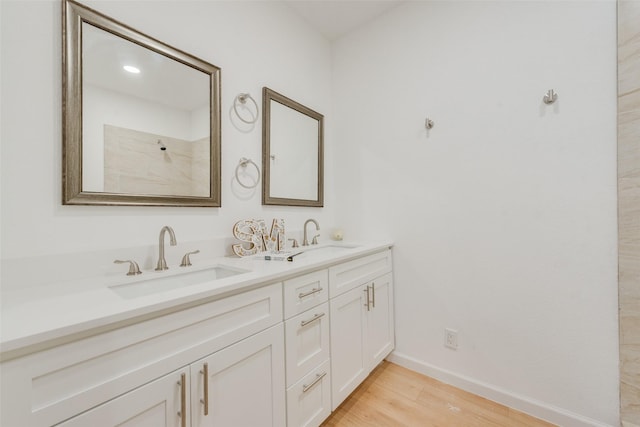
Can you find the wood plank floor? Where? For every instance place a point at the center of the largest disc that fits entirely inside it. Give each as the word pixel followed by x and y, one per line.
pixel 396 396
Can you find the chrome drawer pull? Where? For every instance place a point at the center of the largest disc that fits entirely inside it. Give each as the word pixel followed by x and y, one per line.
pixel 183 400
pixel 373 289
pixel 313 319
pixel 305 388
pixel 311 292
pixel 205 401
pixel 368 304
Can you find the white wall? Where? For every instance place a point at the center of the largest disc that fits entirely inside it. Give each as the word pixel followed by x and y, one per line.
pixel 255 43
pixel 503 214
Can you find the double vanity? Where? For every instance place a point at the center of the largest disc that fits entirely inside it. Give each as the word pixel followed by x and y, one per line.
pixel 234 342
pixel 212 340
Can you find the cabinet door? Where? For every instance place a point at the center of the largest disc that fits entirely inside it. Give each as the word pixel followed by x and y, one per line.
pixel 244 384
pixel 348 347
pixel 163 402
pixel 380 325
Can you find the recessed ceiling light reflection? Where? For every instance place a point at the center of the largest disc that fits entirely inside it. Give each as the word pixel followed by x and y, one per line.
pixel 131 69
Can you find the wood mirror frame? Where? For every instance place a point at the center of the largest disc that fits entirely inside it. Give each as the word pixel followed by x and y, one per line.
pixel 314 134
pixel 74 15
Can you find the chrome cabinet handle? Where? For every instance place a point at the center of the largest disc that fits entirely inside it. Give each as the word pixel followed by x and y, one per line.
pixel 373 289
pixel 311 292
pixel 183 400
pixel 313 319
pixel 368 299
pixel 205 401
pixel 306 388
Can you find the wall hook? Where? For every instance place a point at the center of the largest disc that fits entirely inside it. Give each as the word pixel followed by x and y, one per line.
pixel 428 123
pixel 550 97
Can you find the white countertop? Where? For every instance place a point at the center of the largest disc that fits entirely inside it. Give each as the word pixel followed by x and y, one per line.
pixel 35 316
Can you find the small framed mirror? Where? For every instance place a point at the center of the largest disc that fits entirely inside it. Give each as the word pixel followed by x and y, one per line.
pixel 292 152
pixel 141 119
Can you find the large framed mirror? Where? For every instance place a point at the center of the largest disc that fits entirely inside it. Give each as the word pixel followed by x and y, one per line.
pixel 292 152
pixel 141 119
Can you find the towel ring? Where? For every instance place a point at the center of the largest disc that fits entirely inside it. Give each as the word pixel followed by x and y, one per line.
pixel 242 98
pixel 243 163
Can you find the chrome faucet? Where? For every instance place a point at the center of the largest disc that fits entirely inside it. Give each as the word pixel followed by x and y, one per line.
pixel 162 263
pixel 305 241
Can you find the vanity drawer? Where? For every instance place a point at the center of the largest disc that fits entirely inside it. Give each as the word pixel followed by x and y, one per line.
pixel 63 381
pixel 307 341
pixel 346 276
pixel 302 293
pixel 309 400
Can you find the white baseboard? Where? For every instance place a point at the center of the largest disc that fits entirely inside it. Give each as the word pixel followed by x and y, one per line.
pixel 524 404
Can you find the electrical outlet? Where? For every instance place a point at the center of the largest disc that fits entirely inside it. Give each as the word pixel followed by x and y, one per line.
pixel 451 338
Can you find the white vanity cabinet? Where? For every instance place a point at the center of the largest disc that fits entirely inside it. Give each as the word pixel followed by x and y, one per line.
pixel 263 355
pixel 133 368
pixel 362 327
pixel 179 399
pixel 307 349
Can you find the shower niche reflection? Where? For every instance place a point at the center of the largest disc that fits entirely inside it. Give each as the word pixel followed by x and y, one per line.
pixel 138 162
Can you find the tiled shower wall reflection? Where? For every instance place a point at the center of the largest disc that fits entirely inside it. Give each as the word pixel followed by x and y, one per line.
pixel 134 163
pixel 629 208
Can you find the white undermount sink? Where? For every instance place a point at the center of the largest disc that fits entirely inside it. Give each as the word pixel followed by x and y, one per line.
pixel 322 251
pixel 156 283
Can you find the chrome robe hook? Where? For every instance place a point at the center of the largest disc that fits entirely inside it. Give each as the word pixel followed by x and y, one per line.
pixel 550 97
pixel 428 123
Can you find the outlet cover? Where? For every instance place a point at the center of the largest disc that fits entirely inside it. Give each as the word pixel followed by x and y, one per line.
pixel 451 338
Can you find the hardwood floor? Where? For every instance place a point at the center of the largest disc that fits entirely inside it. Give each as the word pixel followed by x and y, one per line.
pixel 396 396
